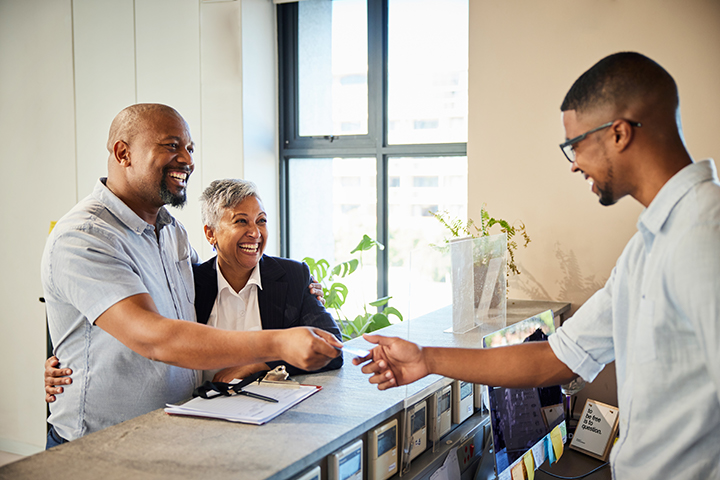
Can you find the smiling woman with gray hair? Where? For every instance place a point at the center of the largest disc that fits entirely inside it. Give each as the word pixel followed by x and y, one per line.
pixel 223 194
pixel 243 289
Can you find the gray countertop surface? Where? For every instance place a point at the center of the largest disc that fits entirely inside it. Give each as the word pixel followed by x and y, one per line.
pixel 157 445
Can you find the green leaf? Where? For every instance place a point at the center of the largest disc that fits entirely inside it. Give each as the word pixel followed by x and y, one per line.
pixel 355 329
pixel 344 329
pixel 393 311
pixel 380 302
pixel 336 295
pixel 346 268
pixel 506 225
pixel 367 321
pixel 360 324
pixel 347 329
pixel 379 320
pixel 366 244
pixel 318 268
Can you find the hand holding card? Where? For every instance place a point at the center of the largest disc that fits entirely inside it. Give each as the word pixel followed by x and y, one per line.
pixel 357 352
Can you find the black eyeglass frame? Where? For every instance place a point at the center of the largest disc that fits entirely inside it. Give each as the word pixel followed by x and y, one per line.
pixel 573 141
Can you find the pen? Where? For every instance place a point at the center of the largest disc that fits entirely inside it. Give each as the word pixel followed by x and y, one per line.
pixel 257 396
pixel 220 389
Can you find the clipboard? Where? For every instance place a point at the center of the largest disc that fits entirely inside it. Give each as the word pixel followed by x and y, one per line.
pixel 244 409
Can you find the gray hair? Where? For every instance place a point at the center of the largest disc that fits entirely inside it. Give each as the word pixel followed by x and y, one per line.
pixel 222 194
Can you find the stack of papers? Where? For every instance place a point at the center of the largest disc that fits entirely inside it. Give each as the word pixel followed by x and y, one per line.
pixel 244 409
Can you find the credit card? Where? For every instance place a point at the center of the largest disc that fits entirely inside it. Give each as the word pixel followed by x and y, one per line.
pixel 358 352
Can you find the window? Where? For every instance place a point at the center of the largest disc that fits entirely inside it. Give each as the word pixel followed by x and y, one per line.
pixel 332 64
pixel 424 181
pixel 373 112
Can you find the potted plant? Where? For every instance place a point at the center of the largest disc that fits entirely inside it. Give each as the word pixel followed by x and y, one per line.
pixel 458 228
pixel 481 263
pixel 336 293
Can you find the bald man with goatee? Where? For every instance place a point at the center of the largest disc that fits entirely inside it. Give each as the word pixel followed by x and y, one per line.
pixel 118 286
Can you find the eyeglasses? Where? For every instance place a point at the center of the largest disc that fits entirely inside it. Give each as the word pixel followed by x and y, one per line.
pixel 567 147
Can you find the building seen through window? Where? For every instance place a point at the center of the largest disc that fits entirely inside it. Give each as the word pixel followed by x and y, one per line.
pixel 373 131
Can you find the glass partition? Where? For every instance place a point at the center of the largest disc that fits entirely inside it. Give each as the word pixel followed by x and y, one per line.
pixel 457 295
pixel 463 282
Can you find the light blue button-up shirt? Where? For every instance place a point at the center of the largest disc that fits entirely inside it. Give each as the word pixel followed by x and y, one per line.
pixel 99 253
pixel 658 317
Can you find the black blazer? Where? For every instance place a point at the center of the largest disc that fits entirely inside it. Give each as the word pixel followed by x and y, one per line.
pixel 285 300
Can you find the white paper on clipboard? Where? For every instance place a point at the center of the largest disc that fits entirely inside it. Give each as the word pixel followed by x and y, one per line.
pixel 240 408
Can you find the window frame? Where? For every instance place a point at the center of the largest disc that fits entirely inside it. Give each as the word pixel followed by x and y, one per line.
pixel 374 144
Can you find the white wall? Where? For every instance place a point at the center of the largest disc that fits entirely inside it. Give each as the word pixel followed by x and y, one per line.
pixel 38 184
pixel 260 101
pixel 68 67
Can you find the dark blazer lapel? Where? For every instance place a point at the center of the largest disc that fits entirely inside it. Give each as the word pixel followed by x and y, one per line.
pixel 273 295
pixel 206 290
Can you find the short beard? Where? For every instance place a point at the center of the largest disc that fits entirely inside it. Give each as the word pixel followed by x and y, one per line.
pixel 172 199
pixel 607 197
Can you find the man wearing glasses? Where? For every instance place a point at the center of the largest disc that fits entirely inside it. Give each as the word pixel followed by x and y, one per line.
pixel 568 149
pixel 658 316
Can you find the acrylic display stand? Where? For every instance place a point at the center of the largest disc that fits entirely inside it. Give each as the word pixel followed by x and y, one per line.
pixel 479 283
pixel 468 274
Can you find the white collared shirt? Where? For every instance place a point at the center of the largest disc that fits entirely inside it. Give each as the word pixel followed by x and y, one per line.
pixel 237 311
pixel 658 317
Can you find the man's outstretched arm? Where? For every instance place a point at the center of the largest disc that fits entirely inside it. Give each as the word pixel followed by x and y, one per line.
pixel 397 362
pixel 136 323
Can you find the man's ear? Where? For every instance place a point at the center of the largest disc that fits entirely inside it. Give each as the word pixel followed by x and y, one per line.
pixel 121 153
pixel 210 235
pixel 622 135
